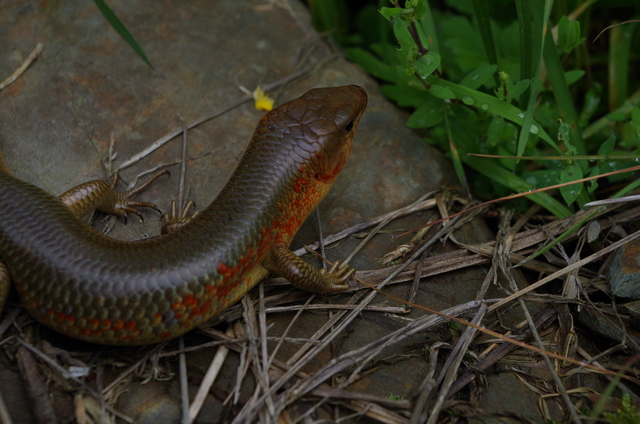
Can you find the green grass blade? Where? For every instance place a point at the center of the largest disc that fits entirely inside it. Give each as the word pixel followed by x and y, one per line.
pixel 429 28
pixel 561 92
pixel 539 18
pixel 505 177
pixel 619 51
pixel 523 9
pixel 484 25
pixel 563 236
pixel 493 105
pixel 117 24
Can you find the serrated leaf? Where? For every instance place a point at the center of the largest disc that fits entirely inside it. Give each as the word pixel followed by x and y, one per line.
pixel 570 173
pixel 427 115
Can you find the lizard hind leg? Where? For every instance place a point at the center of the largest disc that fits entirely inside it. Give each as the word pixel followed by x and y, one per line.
pixel 101 195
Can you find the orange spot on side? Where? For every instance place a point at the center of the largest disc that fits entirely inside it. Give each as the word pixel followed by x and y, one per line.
pixel 117 325
pixel 164 335
pixel 130 325
pixel 94 323
pixel 223 269
pixel 105 324
pixel 189 300
pixel 59 317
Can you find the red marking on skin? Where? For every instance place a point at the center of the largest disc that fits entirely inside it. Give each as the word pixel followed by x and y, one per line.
pixel 85 331
pixel 50 311
pixel 189 300
pixel 59 317
pixel 300 185
pixel 70 319
pixel 105 324
pixel 223 269
pixel 130 325
pixel 164 335
pixel 205 308
pixel 329 176
pixel 118 325
pixel 94 323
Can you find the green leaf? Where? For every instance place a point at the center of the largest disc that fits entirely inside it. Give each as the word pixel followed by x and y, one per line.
pixel 420 9
pixel 508 179
pixel 404 95
pixel 635 119
pixel 441 92
pixel 495 131
pixel 408 51
pixel 572 172
pixel 573 75
pixel 478 76
pixel 427 64
pixel 616 116
pixel 607 147
pixel 427 115
pixel 493 105
pixel 117 24
pixel 372 64
pixel 391 12
pixel 518 89
pixel 591 103
pixel 568 34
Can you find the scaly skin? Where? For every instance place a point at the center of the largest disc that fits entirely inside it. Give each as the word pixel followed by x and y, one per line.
pixel 89 286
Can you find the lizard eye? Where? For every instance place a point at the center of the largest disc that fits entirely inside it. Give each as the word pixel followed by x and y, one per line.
pixel 349 126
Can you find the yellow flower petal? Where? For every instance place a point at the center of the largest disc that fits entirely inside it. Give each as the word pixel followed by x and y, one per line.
pixel 261 100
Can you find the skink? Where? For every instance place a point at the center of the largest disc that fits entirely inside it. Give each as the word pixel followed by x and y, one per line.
pixel 95 288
